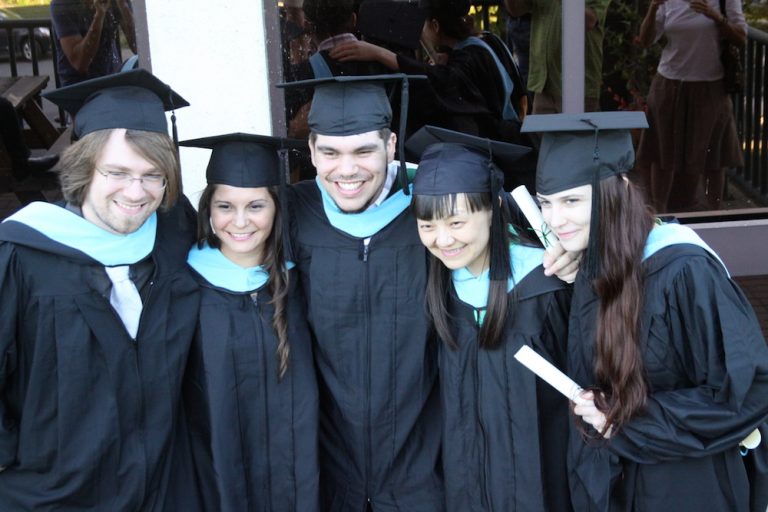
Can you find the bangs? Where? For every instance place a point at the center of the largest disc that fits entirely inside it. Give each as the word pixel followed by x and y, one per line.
pixel 439 207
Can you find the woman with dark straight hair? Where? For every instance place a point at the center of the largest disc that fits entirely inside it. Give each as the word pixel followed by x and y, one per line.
pixel 668 347
pixel 503 432
pixel 250 391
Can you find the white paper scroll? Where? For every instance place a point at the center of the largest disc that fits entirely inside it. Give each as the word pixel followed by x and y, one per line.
pixel 561 382
pixel 752 441
pixel 533 214
pixel 549 373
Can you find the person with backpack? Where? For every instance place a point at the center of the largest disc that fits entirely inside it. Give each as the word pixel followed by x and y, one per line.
pixel 473 84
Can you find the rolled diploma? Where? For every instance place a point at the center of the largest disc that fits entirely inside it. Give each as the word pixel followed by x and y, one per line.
pixel 549 373
pixel 561 382
pixel 752 441
pixel 535 219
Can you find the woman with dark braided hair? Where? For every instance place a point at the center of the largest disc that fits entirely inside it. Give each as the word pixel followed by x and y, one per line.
pixel 504 433
pixel 669 349
pixel 250 393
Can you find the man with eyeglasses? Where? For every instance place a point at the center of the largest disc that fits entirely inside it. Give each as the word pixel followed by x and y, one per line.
pixel 97 311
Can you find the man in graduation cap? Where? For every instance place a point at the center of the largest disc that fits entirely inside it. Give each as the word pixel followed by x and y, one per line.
pixel 364 273
pixel 97 311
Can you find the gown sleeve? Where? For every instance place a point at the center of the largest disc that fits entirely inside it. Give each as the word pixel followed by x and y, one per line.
pixel 9 306
pixel 554 338
pixel 716 338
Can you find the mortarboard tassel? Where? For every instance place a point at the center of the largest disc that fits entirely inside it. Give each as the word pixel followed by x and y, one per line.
pixel 500 266
pixel 284 171
pixel 593 247
pixel 403 172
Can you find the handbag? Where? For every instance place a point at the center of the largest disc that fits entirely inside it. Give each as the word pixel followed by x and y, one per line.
pixel 733 68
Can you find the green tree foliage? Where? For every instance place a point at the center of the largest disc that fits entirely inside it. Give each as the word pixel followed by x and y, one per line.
pixel 628 68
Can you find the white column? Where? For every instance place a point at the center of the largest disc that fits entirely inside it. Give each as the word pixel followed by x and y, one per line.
pixel 214 55
pixel 573 55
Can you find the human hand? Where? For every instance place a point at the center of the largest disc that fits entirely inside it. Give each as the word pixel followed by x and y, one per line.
pixel 702 7
pixel 101 7
pixel 440 58
pixel 588 411
pixel 561 263
pixel 355 51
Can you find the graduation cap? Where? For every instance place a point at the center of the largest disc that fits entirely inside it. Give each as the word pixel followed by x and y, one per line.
pixel 135 100
pixel 391 22
pixel 351 105
pixel 583 149
pixel 577 148
pixel 455 163
pixel 245 160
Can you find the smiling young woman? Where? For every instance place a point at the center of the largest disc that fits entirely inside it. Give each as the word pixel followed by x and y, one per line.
pixel 487 296
pixel 250 368
pixel 667 345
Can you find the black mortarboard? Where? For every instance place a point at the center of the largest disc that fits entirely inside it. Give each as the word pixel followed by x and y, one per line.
pixel 583 149
pixel 455 163
pixel 576 146
pixel 391 22
pixel 351 105
pixel 244 160
pixel 135 100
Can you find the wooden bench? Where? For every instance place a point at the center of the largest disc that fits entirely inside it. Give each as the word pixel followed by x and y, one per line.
pixel 22 92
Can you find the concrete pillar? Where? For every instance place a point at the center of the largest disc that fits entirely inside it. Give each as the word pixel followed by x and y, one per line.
pixel 215 55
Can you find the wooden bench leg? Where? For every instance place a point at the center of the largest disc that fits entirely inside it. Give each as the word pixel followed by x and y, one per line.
pixel 40 124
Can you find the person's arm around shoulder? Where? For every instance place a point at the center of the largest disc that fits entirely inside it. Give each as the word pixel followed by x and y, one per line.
pixel 648 28
pixel 518 7
pixel 127 24
pixel 81 50
pixel 362 51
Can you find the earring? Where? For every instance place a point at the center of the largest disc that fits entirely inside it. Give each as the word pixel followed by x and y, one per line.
pixel 210 221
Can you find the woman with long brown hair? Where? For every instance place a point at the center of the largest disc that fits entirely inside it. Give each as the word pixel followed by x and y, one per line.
pixel 667 345
pixel 250 391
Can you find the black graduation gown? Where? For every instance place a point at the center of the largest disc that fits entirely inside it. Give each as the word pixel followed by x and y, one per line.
pixel 504 430
pixel 707 366
pixel 465 94
pixel 376 362
pixel 87 413
pixel 253 438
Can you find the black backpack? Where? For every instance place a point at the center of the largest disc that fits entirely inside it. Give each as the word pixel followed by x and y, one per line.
pixel 519 97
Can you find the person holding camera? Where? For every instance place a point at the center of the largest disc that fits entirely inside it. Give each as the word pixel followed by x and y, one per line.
pixel 692 135
pixel 86 37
